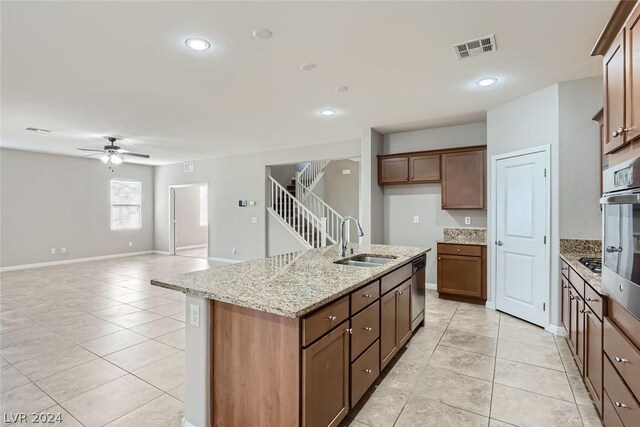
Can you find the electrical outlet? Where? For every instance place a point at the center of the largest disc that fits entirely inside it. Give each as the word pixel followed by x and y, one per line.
pixel 467 220
pixel 130 244
pixel 53 251
pixel 234 250
pixel 64 250
pixel 252 203
pixel 346 171
pixel 194 315
pixel 254 219
pixel 416 219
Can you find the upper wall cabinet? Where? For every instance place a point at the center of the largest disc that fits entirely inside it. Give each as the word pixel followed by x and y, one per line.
pixel 461 171
pixel 463 180
pixel 619 45
pixel 393 170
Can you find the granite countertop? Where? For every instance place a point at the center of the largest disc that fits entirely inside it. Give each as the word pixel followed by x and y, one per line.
pixel 463 241
pixel 289 285
pixel 593 279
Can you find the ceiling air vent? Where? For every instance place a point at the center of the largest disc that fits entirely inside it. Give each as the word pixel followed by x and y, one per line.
pixel 189 167
pixel 475 47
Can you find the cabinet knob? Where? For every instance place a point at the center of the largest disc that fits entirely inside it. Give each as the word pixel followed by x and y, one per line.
pixel 572 297
pixel 457 250
pixel 619 131
pixel 349 330
pixel 621 360
pixel 565 286
pixel 584 310
pixel 331 318
pixel 367 295
pixel 591 299
pixel 368 371
pixel 439 258
pixel 368 328
pixel 621 405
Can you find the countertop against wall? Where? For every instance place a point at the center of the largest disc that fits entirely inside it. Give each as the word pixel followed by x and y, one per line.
pixel 464 236
pixel 571 250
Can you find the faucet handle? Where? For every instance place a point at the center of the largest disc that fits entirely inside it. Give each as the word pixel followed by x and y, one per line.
pixel 351 251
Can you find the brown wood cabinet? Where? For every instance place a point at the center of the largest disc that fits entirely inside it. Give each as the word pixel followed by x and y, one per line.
pixel 593 357
pixel 395 321
pixel 619 45
pixel 325 370
pixel 424 168
pixel 463 180
pixel 394 170
pixel 580 330
pixel 462 277
pixel 572 337
pixel 566 304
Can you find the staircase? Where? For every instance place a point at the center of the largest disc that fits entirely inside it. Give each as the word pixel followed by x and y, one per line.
pixel 303 213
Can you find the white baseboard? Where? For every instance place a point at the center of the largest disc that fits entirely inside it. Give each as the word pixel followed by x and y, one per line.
pixel 182 248
pixel 73 261
pixel 433 286
pixel 490 305
pixel 162 252
pixel 186 423
pixel 556 330
pixel 225 260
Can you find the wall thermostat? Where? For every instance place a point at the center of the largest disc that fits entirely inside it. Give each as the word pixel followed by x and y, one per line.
pixel 242 203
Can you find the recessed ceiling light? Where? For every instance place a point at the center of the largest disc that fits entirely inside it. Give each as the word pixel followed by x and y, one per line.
pixel 197 44
pixel 486 82
pixel 38 130
pixel 308 67
pixel 341 89
pixel 262 34
pixel 328 112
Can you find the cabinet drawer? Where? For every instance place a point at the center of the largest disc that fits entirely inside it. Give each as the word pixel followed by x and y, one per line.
pixel 564 269
pixel 624 356
pixel 609 414
pixel 594 301
pixel 324 320
pixel 394 278
pixel 577 282
pixel 365 296
pixel 467 250
pixel 365 328
pixel 364 372
pixel 625 405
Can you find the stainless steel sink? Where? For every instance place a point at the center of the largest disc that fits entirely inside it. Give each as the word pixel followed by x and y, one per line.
pixel 366 260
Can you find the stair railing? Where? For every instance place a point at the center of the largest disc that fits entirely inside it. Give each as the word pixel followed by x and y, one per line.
pixel 308 177
pixel 321 209
pixel 299 218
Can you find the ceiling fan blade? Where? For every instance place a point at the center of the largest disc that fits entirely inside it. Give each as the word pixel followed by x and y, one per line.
pixel 91 155
pixel 90 149
pixel 122 150
pixel 144 156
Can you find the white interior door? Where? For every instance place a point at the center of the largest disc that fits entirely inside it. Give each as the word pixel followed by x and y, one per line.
pixel 522 266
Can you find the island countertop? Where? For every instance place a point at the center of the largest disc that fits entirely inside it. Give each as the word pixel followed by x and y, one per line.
pixel 289 285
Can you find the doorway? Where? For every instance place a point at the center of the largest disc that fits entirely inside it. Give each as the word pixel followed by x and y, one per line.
pixel 521 249
pixel 189 220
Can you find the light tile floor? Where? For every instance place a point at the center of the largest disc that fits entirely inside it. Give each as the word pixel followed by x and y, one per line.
pixel 99 345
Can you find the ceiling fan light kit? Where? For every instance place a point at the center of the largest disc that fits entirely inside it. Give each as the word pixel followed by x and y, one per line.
pixel 112 154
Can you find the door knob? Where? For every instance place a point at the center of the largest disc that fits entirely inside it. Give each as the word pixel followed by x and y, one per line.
pixel 611 249
pixel 499 243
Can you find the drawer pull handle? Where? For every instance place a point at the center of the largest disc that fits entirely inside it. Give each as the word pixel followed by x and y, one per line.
pixel 368 371
pixel 457 250
pixel 349 330
pixel 399 292
pixel 367 295
pixel 368 328
pixel 331 318
pixel 591 299
pixel 584 310
pixel 621 360
pixel 621 405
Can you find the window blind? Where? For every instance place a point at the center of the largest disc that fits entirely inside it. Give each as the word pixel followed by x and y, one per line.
pixel 126 205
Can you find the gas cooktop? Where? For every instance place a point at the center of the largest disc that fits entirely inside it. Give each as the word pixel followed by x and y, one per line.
pixel 593 264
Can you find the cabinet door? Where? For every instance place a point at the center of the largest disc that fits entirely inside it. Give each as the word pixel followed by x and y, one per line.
pixel 394 170
pixel 614 95
pixel 388 330
pixel 632 76
pixel 325 370
pixel 573 321
pixel 566 304
pixel 581 335
pixel 424 168
pixel 403 299
pixel 593 357
pixel 460 275
pixel 463 180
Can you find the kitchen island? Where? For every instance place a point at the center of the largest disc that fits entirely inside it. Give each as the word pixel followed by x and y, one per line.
pixel 295 339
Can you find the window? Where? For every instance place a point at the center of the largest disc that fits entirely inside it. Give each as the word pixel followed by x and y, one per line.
pixel 126 203
pixel 203 206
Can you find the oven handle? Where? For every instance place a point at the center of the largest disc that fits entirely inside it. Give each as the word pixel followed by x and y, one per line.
pixel 621 199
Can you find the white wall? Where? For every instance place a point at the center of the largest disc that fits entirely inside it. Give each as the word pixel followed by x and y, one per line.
pixel 189 232
pixel 49 201
pixel 559 116
pixel 231 179
pixel 579 152
pixel 403 202
pixel 371 197
pixel 279 239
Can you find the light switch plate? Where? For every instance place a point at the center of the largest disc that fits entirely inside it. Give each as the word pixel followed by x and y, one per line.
pixel 64 250
pixel 346 171
pixel 467 220
pixel 416 219
pixel 254 219
pixel 252 203
pixel 194 315
pixel 53 251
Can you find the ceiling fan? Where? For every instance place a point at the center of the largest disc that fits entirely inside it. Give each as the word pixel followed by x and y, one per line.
pixel 112 154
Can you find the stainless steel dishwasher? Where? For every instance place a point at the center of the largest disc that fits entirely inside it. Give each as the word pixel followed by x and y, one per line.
pixel 417 291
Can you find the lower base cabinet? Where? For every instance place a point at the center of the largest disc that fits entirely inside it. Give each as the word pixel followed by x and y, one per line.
pixel 462 272
pixel 325 370
pixel 395 321
pixel 364 372
pixel 593 357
